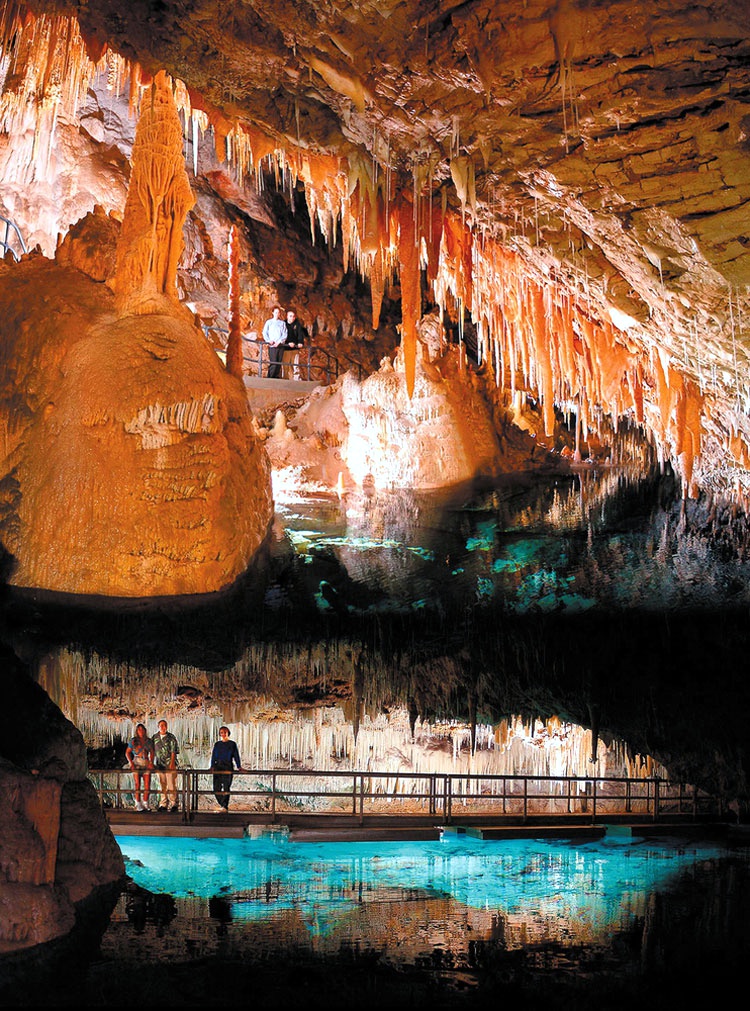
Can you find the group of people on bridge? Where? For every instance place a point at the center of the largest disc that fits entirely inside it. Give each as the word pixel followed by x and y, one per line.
pixel 146 755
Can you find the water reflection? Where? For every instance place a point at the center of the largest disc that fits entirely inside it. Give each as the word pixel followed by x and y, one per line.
pixel 561 544
pixel 469 920
pixel 587 595
pixel 573 891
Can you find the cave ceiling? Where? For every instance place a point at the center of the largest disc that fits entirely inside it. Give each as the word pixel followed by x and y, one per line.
pixel 605 145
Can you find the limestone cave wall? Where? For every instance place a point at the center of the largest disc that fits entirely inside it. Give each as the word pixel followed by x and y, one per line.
pixel 58 858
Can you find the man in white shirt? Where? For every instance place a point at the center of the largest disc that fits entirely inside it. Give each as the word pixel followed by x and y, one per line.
pixel 274 334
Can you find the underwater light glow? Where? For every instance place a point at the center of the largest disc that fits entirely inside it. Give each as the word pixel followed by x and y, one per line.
pixel 565 889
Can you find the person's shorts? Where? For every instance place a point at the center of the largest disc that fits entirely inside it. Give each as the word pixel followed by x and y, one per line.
pixel 140 763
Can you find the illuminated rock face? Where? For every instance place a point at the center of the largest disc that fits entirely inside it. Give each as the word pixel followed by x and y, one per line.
pixel 439 436
pixel 130 463
pixel 373 435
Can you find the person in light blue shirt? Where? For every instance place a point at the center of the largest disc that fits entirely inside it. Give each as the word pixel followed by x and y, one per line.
pixel 274 334
pixel 224 757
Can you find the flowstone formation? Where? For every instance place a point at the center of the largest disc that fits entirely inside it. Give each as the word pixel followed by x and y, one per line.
pixel 373 435
pixel 131 467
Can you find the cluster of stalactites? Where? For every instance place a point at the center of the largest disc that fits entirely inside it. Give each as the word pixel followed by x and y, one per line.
pixel 534 337
pixel 47 67
pixel 539 336
pixel 45 73
pixel 531 336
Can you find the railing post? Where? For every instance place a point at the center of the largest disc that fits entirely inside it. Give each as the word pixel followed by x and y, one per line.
pixel 593 800
pixel 656 797
pixel 447 799
pixel 525 798
pixel 273 798
pixel 361 800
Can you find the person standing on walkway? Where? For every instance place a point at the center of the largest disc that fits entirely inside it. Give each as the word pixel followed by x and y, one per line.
pixel 166 751
pixel 140 756
pixel 296 338
pixel 274 334
pixel 224 757
pixel 296 333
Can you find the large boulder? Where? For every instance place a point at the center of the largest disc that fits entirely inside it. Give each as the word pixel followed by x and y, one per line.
pixel 57 853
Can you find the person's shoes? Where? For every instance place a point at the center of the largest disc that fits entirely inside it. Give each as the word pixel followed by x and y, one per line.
pixel 173 809
pixel 139 806
pixel 163 808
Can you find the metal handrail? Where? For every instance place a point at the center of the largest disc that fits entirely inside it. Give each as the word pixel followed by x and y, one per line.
pixel 441 794
pixel 5 243
pixel 302 365
pixel 309 362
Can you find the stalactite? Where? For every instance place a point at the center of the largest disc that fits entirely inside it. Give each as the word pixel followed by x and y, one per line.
pixel 234 340
pixel 544 357
pixel 377 287
pixel 691 434
pixel 408 256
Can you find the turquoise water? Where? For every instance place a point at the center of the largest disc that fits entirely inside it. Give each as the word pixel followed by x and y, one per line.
pixel 601 886
pixel 619 923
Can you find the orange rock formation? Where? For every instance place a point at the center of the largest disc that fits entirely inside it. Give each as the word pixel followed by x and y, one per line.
pixel 129 452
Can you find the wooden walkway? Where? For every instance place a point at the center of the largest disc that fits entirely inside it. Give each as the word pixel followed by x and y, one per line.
pixel 402 828
pixel 314 805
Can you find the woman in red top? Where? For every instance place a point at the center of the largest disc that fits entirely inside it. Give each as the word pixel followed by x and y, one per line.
pixel 140 756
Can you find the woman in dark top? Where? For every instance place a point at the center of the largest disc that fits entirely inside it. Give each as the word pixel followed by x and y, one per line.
pixel 223 757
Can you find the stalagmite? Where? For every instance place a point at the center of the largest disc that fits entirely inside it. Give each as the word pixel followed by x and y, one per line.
pixel 234 340
pixel 159 198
